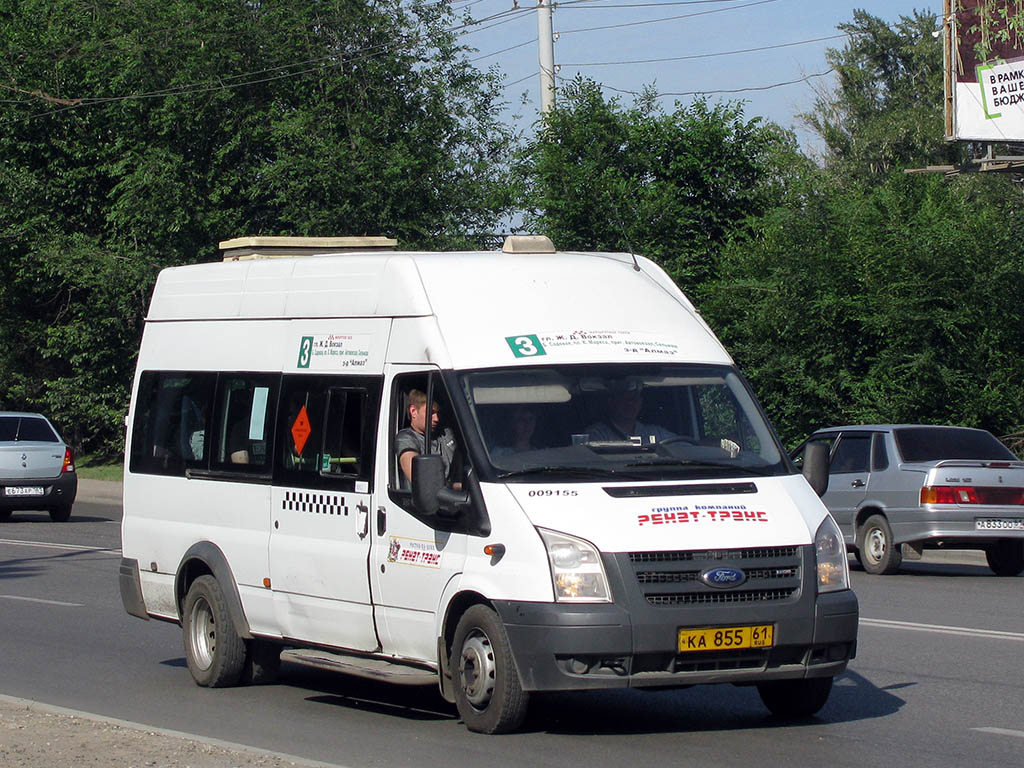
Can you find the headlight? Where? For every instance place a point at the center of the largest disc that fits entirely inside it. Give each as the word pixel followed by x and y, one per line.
pixel 576 570
pixel 830 552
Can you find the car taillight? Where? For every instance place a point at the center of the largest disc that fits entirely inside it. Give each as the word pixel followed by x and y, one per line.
pixel 965 494
pixel 69 461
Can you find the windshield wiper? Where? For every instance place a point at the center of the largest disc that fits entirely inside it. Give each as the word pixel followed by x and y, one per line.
pixel 664 462
pixel 556 470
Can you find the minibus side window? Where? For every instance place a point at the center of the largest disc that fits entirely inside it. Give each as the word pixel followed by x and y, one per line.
pixel 244 422
pixel 325 433
pixel 445 435
pixel 172 415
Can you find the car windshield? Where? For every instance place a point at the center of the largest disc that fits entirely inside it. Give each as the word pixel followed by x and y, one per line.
pixel 581 422
pixel 26 429
pixel 936 443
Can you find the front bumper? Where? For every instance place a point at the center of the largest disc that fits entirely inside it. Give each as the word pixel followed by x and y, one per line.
pixel 632 642
pixel 58 491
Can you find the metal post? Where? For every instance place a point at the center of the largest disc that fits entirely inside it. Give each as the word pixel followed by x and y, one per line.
pixel 546 52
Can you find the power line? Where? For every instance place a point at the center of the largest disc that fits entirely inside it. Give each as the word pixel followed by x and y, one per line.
pixel 709 92
pixel 705 55
pixel 321 62
pixel 667 18
pixel 575 5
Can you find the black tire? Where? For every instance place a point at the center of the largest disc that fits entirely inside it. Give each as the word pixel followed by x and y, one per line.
pixel 5 515
pixel 1005 557
pixel 214 652
pixel 487 690
pixel 795 698
pixel 61 514
pixel 878 553
pixel 262 662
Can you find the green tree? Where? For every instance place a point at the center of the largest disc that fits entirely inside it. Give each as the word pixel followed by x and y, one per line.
pixel 136 135
pixel 671 186
pixel 886 110
pixel 900 303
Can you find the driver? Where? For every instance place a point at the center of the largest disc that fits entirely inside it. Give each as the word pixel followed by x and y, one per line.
pixel 620 422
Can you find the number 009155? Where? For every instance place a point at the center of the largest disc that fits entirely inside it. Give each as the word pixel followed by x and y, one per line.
pixel 726 638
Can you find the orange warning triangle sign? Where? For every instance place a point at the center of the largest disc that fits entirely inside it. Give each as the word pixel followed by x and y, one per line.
pixel 301 430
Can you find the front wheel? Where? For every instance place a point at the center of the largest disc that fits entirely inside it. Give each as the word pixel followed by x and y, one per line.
pixel 487 690
pixel 795 698
pixel 1005 557
pixel 214 652
pixel 878 553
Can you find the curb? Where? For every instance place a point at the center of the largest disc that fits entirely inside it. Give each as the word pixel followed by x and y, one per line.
pixel 99 490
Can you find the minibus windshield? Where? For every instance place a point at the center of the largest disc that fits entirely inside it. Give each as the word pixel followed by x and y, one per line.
pixel 581 422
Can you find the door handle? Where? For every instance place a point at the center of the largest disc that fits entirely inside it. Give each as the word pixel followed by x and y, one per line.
pixel 363 523
pixel 382 521
pixel 858 483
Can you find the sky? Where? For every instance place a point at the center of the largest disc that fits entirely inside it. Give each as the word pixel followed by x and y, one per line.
pixel 601 39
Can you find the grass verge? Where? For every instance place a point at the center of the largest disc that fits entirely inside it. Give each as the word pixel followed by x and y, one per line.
pixel 99 469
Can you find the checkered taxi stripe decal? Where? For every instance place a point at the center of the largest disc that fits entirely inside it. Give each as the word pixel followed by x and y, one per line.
pixel 316 503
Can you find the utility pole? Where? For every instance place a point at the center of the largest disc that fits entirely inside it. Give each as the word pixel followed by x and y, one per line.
pixel 546 52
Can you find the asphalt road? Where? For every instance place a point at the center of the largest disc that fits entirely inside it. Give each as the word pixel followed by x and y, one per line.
pixel 939 678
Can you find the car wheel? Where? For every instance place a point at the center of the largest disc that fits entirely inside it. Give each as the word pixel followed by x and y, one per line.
pixel 487 690
pixel 795 698
pixel 214 652
pixel 5 515
pixel 61 514
pixel 878 553
pixel 1005 557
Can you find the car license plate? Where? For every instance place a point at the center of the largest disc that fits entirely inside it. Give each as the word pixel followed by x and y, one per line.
pixel 24 490
pixel 726 638
pixel 998 524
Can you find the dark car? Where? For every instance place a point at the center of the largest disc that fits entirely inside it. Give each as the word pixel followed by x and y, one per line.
pixel 37 470
pixel 898 489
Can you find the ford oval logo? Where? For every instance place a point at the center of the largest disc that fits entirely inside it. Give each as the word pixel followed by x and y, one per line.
pixel 723 578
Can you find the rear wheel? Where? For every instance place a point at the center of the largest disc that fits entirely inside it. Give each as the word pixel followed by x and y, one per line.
pixel 214 652
pixel 878 553
pixel 795 698
pixel 487 690
pixel 5 515
pixel 61 514
pixel 1005 557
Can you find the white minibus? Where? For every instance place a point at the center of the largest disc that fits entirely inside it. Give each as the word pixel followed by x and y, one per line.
pixel 496 472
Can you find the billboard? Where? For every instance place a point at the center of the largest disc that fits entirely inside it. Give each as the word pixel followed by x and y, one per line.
pixel 984 68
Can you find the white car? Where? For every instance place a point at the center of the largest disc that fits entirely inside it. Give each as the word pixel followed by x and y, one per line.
pixel 37 470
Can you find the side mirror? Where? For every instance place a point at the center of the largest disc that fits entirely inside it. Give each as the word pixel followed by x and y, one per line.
pixel 430 494
pixel 427 482
pixel 815 468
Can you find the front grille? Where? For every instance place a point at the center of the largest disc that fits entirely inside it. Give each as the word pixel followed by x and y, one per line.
pixel 718 596
pixel 773 574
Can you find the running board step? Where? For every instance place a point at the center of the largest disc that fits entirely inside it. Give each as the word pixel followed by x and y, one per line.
pixel 373 669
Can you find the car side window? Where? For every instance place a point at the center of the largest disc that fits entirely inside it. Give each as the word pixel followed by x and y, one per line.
pixel 172 416
pixel 244 417
pixel 879 454
pixel 325 433
pixel 852 454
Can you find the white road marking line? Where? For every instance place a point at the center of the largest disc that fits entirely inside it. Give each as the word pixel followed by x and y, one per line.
pixel 1001 732
pixel 54 545
pixel 40 600
pixel 940 629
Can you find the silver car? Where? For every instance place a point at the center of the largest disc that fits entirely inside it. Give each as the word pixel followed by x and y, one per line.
pixel 37 470
pixel 898 489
